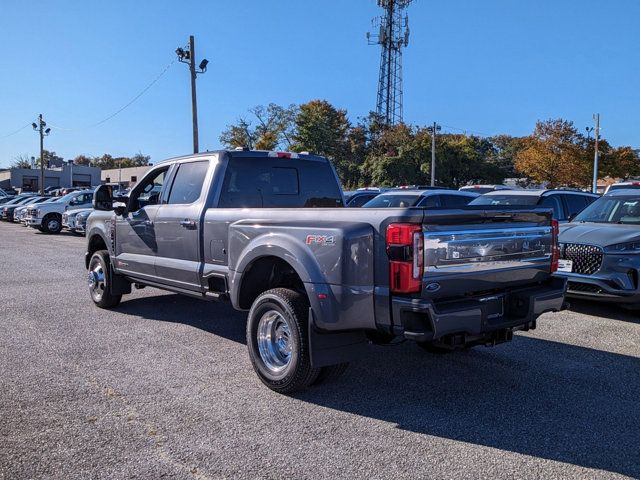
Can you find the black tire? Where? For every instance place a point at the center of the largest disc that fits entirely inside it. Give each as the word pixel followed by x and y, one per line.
pixel 330 373
pixel 281 356
pixel 100 281
pixel 52 223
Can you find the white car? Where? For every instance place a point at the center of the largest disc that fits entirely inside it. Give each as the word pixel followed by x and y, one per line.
pixel 75 220
pixel 47 217
pixel 484 188
pixel 623 186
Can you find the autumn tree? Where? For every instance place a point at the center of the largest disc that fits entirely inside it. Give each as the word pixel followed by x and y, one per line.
pixel 554 154
pixel 83 160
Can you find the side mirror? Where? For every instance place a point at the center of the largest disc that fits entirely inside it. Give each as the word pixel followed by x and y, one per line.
pixel 103 198
pixel 120 209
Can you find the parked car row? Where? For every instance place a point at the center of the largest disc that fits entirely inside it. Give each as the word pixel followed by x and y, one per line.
pixel 50 214
pixel 599 238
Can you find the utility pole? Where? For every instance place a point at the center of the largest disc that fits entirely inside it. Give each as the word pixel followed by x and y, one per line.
pixel 40 128
pixel 188 55
pixel 433 130
pixel 594 188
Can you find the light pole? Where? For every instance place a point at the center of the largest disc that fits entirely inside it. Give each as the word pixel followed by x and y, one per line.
pixel 40 128
pixel 589 130
pixel 433 131
pixel 594 188
pixel 188 55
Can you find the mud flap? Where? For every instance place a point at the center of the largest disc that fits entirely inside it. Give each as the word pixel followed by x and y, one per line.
pixel 119 284
pixel 332 348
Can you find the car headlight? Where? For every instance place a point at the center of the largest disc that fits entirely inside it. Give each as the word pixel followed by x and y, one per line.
pixel 630 247
pixel 38 212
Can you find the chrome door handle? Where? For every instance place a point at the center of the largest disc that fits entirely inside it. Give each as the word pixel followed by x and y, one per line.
pixel 189 224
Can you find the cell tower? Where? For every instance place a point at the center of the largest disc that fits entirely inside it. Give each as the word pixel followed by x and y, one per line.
pixel 393 36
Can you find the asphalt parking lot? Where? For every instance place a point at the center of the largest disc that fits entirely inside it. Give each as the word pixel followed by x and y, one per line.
pixel 162 386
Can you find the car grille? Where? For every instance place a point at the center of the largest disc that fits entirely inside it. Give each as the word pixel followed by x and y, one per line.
pixel 583 288
pixel 587 259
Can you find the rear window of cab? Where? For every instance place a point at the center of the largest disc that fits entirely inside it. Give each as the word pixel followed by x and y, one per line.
pixel 262 182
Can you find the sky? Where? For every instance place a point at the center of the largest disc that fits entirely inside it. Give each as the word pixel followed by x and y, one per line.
pixel 483 67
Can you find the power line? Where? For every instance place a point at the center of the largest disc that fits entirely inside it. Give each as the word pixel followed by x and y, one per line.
pixel 106 119
pixel 17 131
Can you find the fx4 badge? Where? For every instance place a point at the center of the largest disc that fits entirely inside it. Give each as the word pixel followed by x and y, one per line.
pixel 320 240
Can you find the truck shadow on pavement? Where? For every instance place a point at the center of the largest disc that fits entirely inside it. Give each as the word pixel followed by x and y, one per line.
pixel 217 318
pixel 534 397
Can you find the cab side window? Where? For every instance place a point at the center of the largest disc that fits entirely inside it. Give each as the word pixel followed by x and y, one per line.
pixel 188 183
pixel 147 192
pixel 553 202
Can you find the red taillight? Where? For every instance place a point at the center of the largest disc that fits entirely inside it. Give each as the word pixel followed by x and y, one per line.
pixel 555 250
pixel 405 247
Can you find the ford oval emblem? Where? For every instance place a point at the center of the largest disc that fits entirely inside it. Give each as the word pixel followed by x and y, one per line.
pixel 432 287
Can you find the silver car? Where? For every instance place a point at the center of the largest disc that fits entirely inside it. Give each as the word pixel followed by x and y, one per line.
pixel 600 250
pixel 70 219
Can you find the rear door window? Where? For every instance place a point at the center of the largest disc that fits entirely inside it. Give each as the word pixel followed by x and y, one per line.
pixel 266 182
pixel 430 201
pixel 187 183
pixel 553 202
pixel 575 203
pixel 455 201
pixel 360 200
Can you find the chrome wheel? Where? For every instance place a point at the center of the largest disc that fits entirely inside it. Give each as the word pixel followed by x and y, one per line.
pixel 97 281
pixel 53 225
pixel 274 341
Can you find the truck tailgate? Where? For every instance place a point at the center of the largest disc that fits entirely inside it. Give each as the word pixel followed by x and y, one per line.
pixel 479 251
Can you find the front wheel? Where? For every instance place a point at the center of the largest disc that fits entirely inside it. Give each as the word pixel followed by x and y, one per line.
pixel 52 224
pixel 278 342
pixel 100 281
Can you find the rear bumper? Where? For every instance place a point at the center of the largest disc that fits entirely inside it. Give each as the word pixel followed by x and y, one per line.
pixel 425 320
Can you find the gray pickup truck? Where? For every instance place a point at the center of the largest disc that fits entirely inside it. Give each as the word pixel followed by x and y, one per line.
pixel 267 231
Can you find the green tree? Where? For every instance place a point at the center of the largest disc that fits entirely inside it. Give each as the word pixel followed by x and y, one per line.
pixel 504 152
pixel 320 128
pixel 398 156
pixel 273 129
pixel 463 159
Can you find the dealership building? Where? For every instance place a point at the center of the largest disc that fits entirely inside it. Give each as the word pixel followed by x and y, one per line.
pixel 67 175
